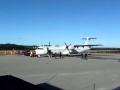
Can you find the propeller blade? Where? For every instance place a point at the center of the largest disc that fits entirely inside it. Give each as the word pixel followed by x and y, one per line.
pixel 67 47
pixel 69 52
pixel 49 44
pixel 70 44
pixel 65 43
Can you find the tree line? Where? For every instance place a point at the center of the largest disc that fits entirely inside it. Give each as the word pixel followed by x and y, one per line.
pixel 9 46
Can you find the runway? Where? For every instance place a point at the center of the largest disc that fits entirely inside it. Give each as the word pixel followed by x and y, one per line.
pixel 100 72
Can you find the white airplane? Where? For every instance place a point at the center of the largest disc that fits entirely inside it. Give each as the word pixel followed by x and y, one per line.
pixel 65 50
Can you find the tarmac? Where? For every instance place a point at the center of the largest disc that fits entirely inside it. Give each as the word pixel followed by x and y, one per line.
pixel 101 71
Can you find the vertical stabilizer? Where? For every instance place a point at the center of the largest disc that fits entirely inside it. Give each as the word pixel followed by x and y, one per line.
pixel 87 42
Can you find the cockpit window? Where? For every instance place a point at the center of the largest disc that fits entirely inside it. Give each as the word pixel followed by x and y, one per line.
pixel 40 48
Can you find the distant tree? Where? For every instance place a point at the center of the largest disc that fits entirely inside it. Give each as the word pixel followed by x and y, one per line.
pixel 9 46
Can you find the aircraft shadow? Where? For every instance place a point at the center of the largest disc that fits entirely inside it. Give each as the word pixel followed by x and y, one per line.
pixel 9 82
pixel 101 58
pixel 118 88
pixel 49 86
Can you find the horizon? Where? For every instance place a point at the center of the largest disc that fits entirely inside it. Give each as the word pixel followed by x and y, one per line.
pixel 59 45
pixel 39 22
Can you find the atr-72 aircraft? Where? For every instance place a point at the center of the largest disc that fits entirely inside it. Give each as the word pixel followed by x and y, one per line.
pixel 66 49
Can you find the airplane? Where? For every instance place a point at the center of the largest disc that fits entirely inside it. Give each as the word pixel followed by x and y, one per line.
pixel 65 50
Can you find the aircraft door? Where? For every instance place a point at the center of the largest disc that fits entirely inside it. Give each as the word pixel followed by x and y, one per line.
pixel 45 50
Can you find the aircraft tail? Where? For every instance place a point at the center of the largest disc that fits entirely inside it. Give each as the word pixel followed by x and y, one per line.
pixel 87 42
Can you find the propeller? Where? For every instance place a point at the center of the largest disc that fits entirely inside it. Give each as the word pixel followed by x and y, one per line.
pixel 67 47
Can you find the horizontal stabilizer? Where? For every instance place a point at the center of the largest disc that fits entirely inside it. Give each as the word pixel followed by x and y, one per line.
pixel 87 45
pixel 88 38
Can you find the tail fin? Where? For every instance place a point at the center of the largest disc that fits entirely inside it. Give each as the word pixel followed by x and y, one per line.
pixel 87 42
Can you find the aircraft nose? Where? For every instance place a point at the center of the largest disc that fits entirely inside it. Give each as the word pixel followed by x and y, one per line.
pixel 34 52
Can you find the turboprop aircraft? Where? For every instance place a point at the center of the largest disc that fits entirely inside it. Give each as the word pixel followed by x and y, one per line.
pixel 65 50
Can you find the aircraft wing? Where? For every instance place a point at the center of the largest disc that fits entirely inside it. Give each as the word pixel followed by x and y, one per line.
pixel 87 45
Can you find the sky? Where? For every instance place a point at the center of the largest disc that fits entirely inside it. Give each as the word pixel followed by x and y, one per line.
pixel 38 22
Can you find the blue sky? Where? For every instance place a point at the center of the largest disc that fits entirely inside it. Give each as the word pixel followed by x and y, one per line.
pixel 36 22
